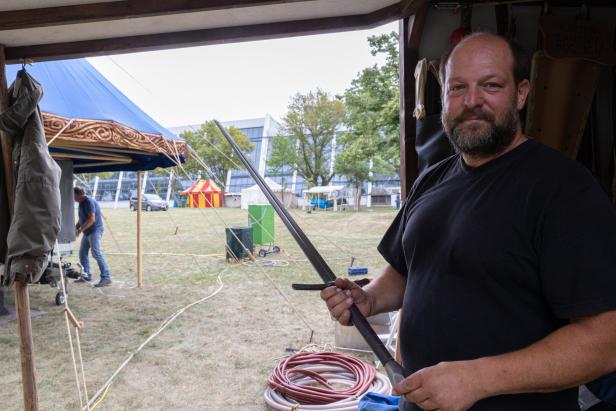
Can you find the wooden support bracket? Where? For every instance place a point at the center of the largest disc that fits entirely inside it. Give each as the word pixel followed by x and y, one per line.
pixel 71 317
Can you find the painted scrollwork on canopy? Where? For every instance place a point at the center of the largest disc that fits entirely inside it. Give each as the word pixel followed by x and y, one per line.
pixel 108 133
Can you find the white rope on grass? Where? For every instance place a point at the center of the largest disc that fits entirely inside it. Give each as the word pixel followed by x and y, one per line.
pixel 214 255
pixel 160 329
pixel 267 263
pixel 70 339
pixel 83 372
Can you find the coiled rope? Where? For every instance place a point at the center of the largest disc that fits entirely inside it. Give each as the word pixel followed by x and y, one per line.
pixel 309 380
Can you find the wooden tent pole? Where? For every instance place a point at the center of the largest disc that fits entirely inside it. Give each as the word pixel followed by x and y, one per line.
pixel 139 255
pixel 411 29
pixel 28 372
pixel 22 298
pixel 7 145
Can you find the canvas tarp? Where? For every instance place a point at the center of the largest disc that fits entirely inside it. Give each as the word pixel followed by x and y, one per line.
pixel 95 125
pixel 35 222
pixel 254 195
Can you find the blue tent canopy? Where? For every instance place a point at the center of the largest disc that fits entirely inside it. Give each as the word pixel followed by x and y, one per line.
pixel 106 131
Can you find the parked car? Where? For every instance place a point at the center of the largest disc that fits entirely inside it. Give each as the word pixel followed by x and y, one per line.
pixel 149 202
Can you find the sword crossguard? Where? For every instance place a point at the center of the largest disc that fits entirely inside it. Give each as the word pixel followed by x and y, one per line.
pixel 316 287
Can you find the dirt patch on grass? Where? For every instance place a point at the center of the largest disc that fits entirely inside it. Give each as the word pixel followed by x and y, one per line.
pixel 218 354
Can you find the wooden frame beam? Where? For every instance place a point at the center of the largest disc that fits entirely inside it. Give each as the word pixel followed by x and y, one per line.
pixel 22 297
pixel 553 3
pixel 139 250
pixel 89 157
pixel 410 7
pixel 501 12
pixel 82 166
pixel 203 37
pixel 93 12
pixel 411 29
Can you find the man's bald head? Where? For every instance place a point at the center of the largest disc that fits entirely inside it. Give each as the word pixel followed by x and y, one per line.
pixel 520 63
pixel 485 85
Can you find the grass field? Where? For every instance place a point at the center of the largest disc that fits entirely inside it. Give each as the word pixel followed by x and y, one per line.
pixel 218 354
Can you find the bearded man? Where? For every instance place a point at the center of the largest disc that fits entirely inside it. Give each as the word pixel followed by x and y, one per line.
pixel 503 257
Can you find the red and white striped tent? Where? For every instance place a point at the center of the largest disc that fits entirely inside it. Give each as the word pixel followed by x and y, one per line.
pixel 203 194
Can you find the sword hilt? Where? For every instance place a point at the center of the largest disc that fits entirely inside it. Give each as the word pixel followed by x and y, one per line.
pixel 321 286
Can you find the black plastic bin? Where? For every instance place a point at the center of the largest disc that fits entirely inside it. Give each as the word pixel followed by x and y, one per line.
pixel 239 239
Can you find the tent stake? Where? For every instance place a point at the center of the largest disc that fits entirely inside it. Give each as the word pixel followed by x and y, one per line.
pixel 22 298
pixel 139 256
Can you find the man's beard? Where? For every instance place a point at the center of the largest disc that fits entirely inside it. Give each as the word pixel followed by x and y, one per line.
pixel 481 140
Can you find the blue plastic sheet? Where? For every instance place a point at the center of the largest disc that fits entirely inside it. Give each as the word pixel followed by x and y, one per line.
pixel 373 401
pixel 75 89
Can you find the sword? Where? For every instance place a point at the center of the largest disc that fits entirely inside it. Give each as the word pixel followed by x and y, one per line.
pixel 395 372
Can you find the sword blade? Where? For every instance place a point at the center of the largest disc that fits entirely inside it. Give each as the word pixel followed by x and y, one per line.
pixel 394 370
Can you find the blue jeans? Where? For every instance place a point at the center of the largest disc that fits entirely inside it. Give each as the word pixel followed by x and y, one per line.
pixel 93 241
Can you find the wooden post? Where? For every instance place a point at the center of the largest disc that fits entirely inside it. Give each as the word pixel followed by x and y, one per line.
pixel 7 145
pixel 22 298
pixel 28 373
pixel 139 256
pixel 411 29
pixel 501 12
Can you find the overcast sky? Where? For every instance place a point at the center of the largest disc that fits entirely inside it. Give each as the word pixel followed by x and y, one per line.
pixel 240 80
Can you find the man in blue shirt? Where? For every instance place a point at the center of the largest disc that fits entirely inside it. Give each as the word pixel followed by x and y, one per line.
pixel 91 225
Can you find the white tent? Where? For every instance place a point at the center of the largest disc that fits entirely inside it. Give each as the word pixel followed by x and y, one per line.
pixel 324 189
pixel 325 192
pixel 254 195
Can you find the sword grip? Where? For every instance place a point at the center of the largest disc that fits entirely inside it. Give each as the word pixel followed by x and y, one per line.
pixel 395 372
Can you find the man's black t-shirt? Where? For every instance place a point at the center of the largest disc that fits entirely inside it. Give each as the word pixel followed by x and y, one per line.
pixel 499 256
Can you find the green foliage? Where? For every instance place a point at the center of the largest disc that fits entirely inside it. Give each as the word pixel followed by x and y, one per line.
pixel 354 161
pixel 311 121
pixel 372 118
pixel 211 146
pixel 283 156
pixel 373 100
pixel 162 172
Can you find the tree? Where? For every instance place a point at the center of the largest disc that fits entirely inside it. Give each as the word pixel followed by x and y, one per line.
pixel 372 119
pixel 311 121
pixel 359 161
pixel 283 158
pixel 214 150
pixel 373 100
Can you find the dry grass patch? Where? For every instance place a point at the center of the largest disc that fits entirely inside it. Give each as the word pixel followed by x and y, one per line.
pixel 218 354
